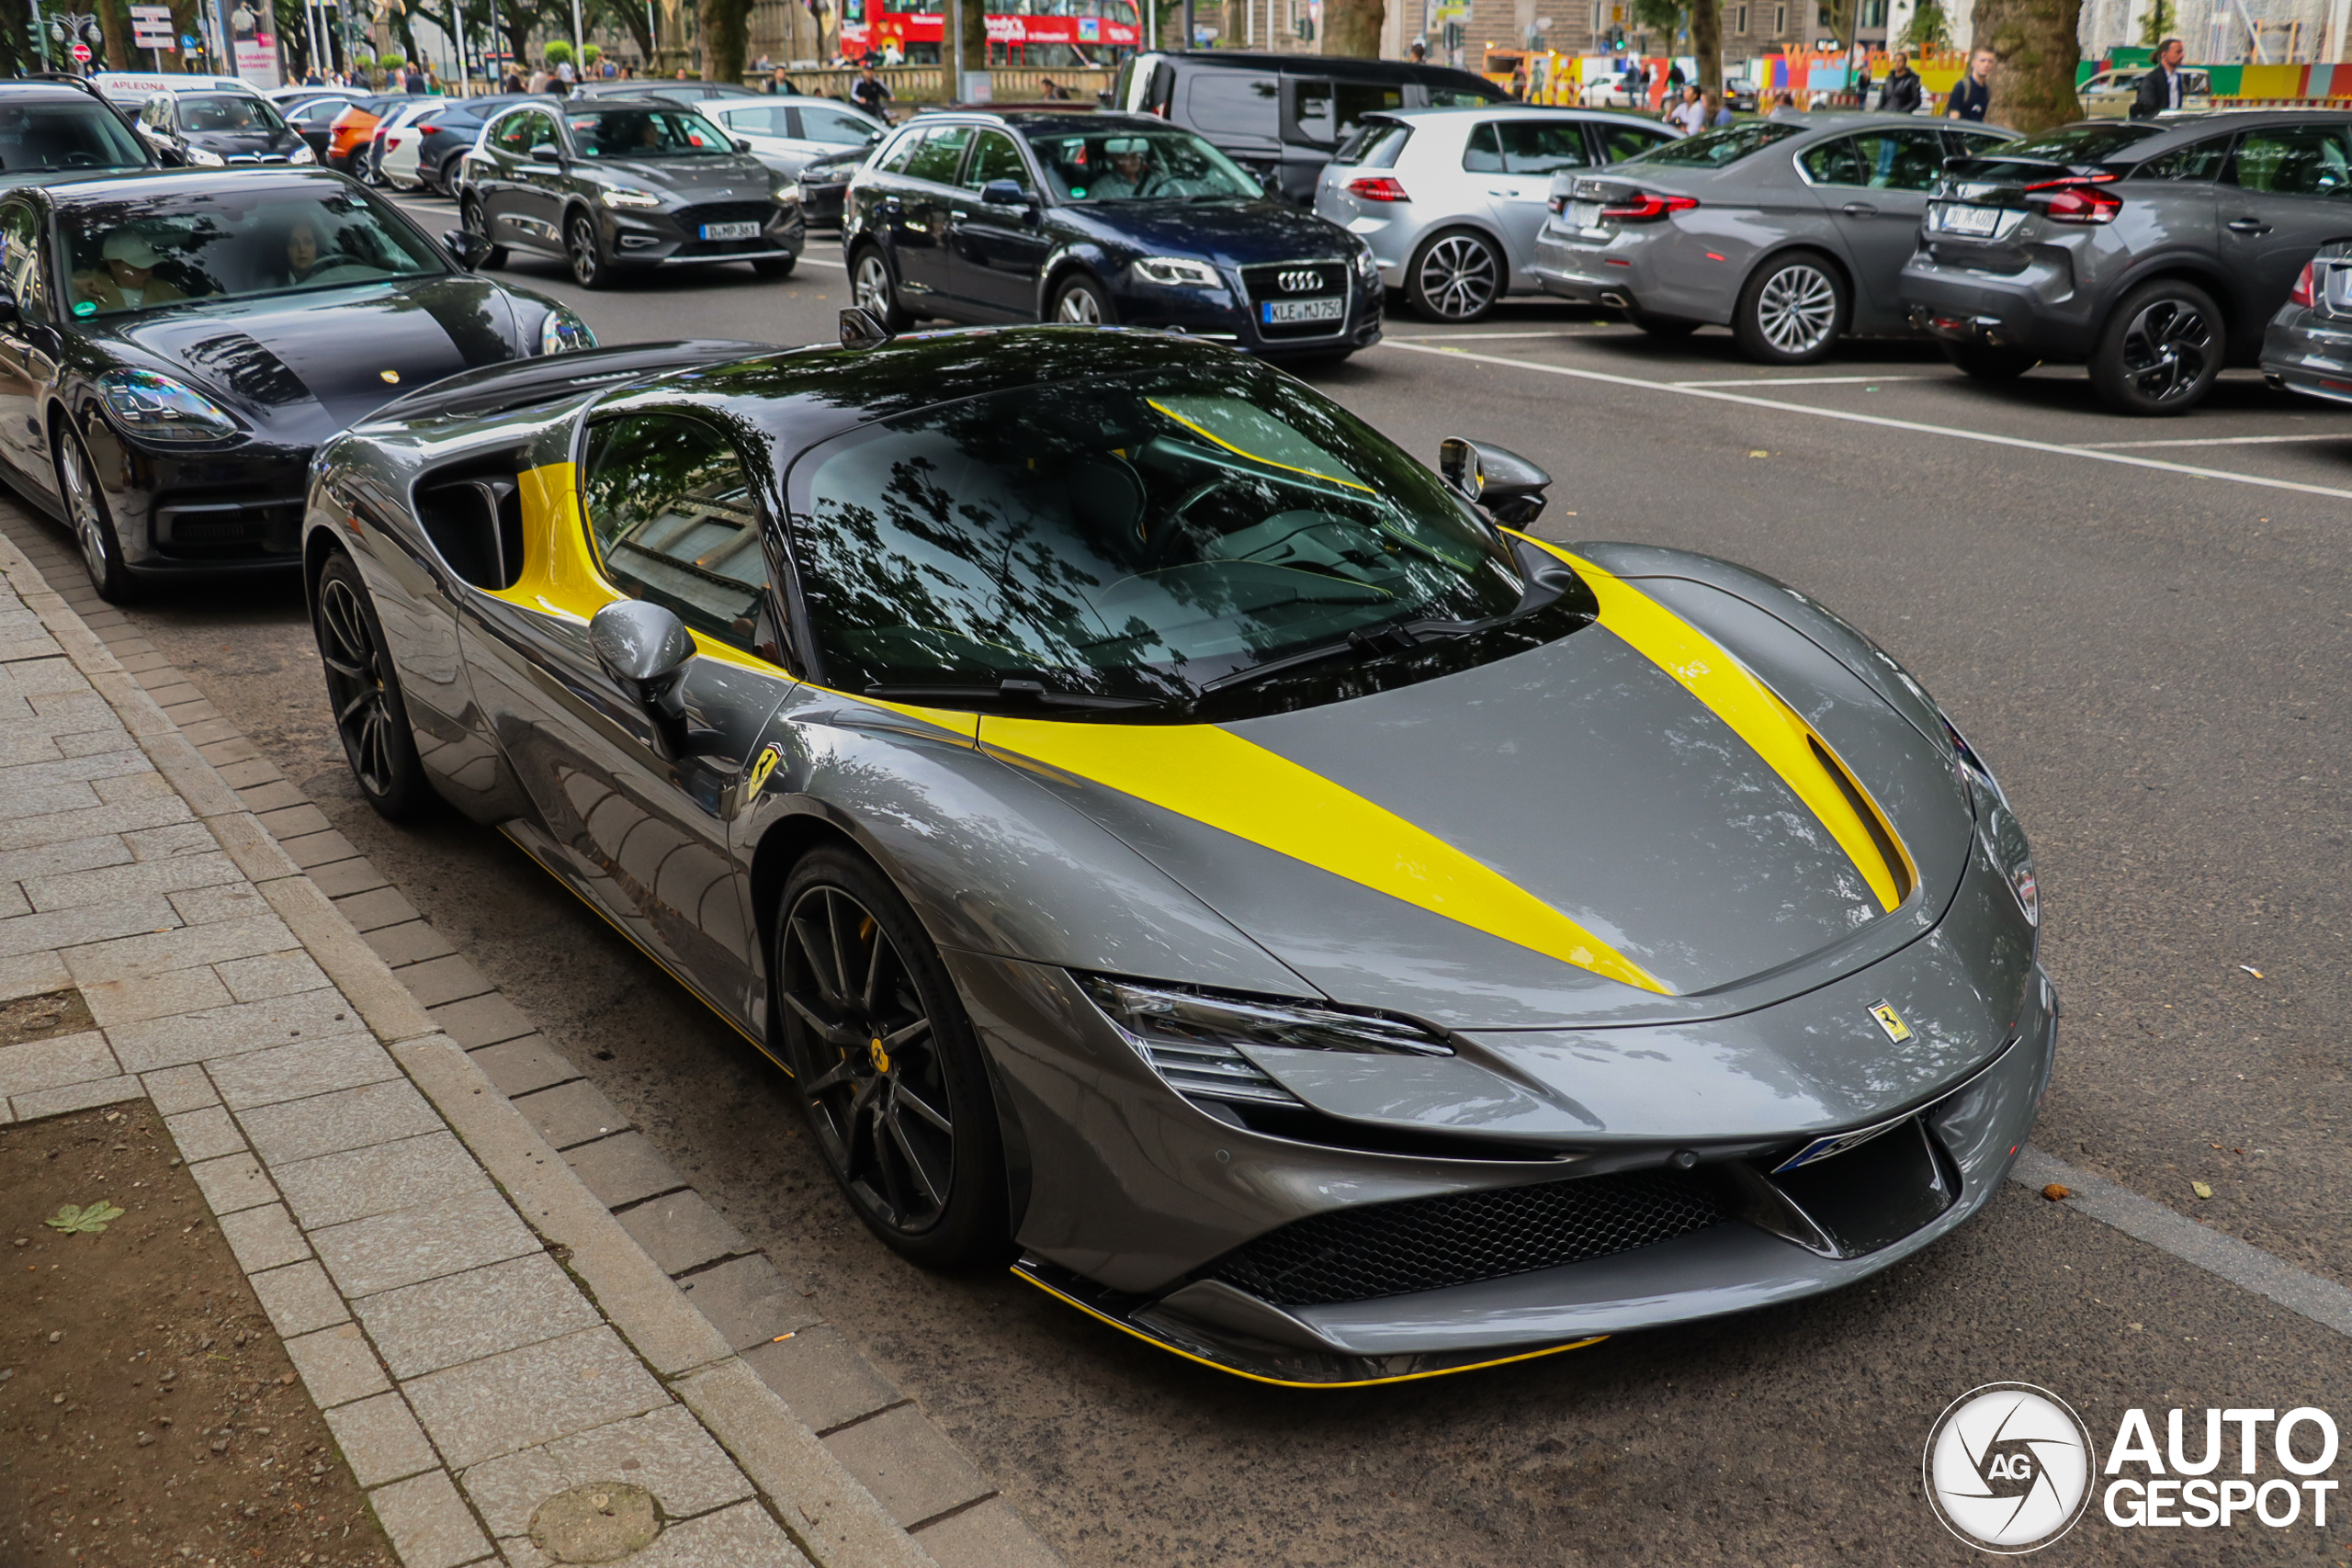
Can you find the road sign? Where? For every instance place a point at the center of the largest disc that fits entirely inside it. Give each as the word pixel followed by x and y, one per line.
pixel 151 27
pixel 81 52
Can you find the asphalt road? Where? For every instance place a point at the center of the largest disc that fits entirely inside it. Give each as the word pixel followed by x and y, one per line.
pixel 2149 654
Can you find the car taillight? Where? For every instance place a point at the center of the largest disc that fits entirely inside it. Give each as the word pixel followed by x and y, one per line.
pixel 2304 293
pixel 2077 201
pixel 427 129
pixel 1377 187
pixel 1646 207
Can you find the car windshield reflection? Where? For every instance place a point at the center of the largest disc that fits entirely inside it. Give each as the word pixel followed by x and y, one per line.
pixel 1716 148
pixel 1141 165
pixel 125 255
pixel 647 133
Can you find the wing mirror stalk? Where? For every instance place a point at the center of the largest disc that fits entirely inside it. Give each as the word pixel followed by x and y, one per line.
pixel 646 649
pixel 1009 193
pixel 1509 487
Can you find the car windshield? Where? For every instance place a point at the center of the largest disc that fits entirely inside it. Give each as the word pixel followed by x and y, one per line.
pixel 647 133
pixel 36 137
pixel 228 111
pixel 140 255
pixel 1141 165
pixel 1714 149
pixel 1167 538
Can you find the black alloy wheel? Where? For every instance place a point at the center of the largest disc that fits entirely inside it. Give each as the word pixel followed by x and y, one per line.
pixel 2161 350
pixel 1987 361
pixel 885 1065
pixel 1455 276
pixel 92 522
pixel 365 693
pixel 586 251
pixel 446 179
pixel 471 218
pixel 1081 302
pixel 875 292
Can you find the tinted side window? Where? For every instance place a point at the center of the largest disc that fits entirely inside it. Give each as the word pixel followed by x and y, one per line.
pixel 674 522
pixel 834 125
pixel 20 258
pixel 900 154
pixel 1897 160
pixel 996 158
pixel 1233 104
pixel 941 155
pixel 1483 152
pixel 2197 160
pixel 764 120
pixel 2294 160
pixel 1330 111
pixel 1833 162
pixel 513 134
pixel 1539 147
pixel 1619 143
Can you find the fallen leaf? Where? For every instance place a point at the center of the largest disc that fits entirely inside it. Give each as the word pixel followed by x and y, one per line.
pixel 1759 453
pixel 71 1217
pixel 2056 1193
pixel 2200 1189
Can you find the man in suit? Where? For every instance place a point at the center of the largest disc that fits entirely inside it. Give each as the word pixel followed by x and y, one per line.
pixel 2162 87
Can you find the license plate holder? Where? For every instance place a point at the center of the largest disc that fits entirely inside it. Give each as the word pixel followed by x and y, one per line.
pixel 1584 214
pixel 744 231
pixel 1290 313
pixel 1977 221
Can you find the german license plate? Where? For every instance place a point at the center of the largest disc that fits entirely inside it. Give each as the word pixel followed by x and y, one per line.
pixel 1282 312
pixel 1584 214
pixel 731 230
pixel 1968 219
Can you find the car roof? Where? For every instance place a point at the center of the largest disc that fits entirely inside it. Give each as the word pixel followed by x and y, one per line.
pixel 1347 67
pixel 146 84
pixel 51 92
pixel 1048 122
pixel 1512 110
pixel 138 184
pixel 1859 119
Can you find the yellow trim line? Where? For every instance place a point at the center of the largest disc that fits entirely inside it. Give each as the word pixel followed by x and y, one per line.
pixel 1756 714
pixel 1285 1382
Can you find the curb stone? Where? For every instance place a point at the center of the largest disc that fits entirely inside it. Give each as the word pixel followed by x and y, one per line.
pixel 646 1320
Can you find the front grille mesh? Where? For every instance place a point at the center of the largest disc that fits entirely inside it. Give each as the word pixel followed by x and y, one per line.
pixel 1426 1244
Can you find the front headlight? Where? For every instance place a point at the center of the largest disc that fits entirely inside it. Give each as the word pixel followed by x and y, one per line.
pixel 1367 265
pixel 563 332
pixel 1195 1041
pixel 1997 825
pixel 623 196
pixel 1178 272
pixel 302 154
pixel 786 194
pixel 202 159
pixel 156 408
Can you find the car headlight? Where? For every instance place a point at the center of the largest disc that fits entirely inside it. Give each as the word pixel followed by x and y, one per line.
pixel 302 154
pixel 1367 265
pixel 562 332
pixel 203 159
pixel 1193 1040
pixel 1997 825
pixel 786 194
pixel 624 195
pixel 1177 272
pixel 157 408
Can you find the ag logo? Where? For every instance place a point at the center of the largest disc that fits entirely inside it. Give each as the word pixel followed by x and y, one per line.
pixel 762 766
pixel 1299 280
pixel 2009 1468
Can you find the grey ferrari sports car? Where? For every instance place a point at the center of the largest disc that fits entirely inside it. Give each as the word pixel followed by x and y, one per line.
pixel 1185 847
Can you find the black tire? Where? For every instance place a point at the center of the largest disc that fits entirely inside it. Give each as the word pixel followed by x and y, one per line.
pixel 874 289
pixel 1987 362
pixel 885 1065
pixel 774 267
pixel 471 218
pixel 583 248
pixel 1662 327
pixel 2160 350
pixel 364 694
pixel 92 520
pixel 445 178
pixel 1792 309
pixel 1082 302
pixel 1455 275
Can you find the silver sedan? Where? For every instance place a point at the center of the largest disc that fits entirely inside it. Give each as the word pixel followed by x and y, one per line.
pixel 1450 201
pixel 1792 230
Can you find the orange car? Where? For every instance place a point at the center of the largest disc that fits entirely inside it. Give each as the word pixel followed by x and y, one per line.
pixel 351 132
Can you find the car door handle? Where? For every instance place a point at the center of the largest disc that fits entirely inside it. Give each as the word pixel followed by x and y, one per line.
pixel 2248 226
pixel 1859 210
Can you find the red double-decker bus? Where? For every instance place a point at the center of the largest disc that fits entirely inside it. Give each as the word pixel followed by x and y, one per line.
pixel 1073 34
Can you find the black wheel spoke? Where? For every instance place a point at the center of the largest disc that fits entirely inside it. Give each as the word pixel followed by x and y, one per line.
pixel 916 1104
pixel 907 1151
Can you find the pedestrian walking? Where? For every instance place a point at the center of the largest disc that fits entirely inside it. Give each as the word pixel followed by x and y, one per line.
pixel 869 93
pixel 1972 93
pixel 1902 93
pixel 2163 87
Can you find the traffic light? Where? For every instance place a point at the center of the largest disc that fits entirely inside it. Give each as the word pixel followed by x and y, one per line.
pixel 1455 34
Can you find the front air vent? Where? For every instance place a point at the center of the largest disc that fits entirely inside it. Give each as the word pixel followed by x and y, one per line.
pixel 477 526
pixel 1898 865
pixel 1202 1070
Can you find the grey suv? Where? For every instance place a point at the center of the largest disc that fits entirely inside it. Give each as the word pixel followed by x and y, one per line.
pixel 2153 252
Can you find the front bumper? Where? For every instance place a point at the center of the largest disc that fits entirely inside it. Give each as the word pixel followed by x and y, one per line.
pixel 1226 315
pixel 232 509
pixel 2306 350
pixel 635 238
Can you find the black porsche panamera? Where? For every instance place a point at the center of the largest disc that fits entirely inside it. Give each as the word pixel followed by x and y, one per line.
pixel 172 349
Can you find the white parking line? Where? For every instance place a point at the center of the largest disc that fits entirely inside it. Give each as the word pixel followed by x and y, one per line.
pixel 1810 380
pixel 1468 337
pixel 1914 426
pixel 2215 441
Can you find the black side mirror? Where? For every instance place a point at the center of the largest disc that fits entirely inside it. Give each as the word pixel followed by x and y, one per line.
pixel 546 153
pixel 742 145
pixel 1508 486
pixel 469 248
pixel 646 648
pixel 1004 193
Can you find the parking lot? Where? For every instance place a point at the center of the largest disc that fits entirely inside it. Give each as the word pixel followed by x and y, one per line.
pixel 2143 625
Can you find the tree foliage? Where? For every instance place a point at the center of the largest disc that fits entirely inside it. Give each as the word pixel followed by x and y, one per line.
pixel 1929 29
pixel 2159 24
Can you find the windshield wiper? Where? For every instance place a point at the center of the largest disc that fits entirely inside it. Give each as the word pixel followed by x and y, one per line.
pixel 1034 693
pixel 1375 642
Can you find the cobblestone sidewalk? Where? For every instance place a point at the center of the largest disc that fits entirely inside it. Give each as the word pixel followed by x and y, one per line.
pixel 479 1330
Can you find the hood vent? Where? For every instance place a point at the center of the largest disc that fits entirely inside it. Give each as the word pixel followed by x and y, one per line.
pixel 1898 865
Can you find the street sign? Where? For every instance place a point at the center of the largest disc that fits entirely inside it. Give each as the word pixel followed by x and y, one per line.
pixel 81 52
pixel 151 27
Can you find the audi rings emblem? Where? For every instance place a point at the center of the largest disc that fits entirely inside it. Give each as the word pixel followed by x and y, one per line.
pixel 1300 280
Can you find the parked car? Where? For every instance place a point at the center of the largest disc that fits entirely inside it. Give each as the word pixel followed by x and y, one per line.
pixel 824 184
pixel 2307 348
pixel 787 132
pixel 212 328
pixel 1283 115
pixel 370 168
pixel 211 127
pixel 425 152
pixel 1614 91
pixel 1792 230
pixel 62 126
pixel 612 184
pixel 2110 94
pixel 351 135
pixel 1100 219
pixel 315 118
pixel 2154 251
pixel 1450 201
pixel 677 92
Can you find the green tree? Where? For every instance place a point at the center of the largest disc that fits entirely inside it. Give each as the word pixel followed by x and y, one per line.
pixel 557 51
pixel 1929 29
pixel 2158 25
pixel 2036 47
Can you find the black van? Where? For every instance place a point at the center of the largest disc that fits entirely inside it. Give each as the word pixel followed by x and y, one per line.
pixel 1283 115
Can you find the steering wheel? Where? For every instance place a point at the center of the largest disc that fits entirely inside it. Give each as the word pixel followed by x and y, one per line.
pixel 1163 539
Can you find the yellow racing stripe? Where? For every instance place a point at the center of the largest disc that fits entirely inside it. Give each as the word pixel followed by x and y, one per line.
pixel 1754 711
pixel 1217 778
